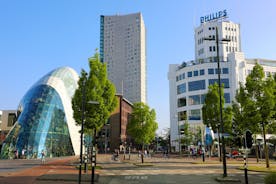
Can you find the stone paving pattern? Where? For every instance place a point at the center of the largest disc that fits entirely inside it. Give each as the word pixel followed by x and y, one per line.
pixel 158 170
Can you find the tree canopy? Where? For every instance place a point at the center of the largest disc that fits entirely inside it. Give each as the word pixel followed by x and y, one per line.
pixel 211 109
pixel 142 125
pixel 255 102
pixel 98 95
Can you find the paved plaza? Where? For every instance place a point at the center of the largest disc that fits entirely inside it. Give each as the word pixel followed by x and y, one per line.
pixel 157 170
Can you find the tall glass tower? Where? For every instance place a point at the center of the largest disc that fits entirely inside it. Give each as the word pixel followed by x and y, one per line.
pixel 123 49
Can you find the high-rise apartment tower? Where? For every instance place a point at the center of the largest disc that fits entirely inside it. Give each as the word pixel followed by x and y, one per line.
pixel 123 49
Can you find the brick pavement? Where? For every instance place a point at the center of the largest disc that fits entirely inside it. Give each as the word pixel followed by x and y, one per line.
pixel 59 169
pixel 30 175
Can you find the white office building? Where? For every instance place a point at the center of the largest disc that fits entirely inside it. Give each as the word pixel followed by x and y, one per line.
pixel 189 81
pixel 123 48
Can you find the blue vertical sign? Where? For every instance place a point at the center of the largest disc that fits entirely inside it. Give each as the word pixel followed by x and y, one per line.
pixel 209 136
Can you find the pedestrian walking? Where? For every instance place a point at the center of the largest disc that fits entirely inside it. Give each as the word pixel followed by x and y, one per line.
pixel 42 157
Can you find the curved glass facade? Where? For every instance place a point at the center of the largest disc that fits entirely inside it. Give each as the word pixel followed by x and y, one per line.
pixel 44 121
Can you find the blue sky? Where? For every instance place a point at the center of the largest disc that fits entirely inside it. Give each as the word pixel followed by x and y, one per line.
pixel 39 36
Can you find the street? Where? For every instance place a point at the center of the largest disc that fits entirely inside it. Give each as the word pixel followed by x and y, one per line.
pixel 156 170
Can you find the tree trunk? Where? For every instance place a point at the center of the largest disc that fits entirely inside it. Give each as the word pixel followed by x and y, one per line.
pixel 265 147
pixel 257 153
pixel 142 154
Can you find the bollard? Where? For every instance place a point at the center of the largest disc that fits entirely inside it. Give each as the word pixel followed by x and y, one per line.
pixel 93 163
pixel 245 170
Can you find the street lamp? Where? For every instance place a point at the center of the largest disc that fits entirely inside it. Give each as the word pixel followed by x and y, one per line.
pixel 93 155
pixel 82 123
pixel 220 101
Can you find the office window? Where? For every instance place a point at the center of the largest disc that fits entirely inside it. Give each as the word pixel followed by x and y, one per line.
pixel 183 76
pixel 225 82
pixel 227 97
pixel 181 88
pixel 214 48
pixel 210 49
pixel 194 100
pixel 177 78
pixel 194 114
pixel 181 102
pixel 201 72
pixel 182 116
pixel 11 119
pixel 210 71
pixel 217 70
pixel 225 71
pixel 202 98
pixel 196 85
pixel 190 74
pixel 196 73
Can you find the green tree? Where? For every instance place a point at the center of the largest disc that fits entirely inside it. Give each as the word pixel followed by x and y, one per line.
pixel 211 110
pixel 187 135
pixel 142 125
pixel 255 106
pixel 97 88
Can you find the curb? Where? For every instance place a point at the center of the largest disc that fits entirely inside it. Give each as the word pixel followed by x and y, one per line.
pixel 66 177
pixel 228 179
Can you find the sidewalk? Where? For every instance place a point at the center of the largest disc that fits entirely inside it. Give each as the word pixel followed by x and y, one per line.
pixel 59 169
pixel 63 170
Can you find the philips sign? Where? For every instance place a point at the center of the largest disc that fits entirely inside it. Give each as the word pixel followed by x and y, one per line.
pixel 213 16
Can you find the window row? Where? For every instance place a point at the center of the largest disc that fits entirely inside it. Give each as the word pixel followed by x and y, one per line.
pixel 232 38
pixel 190 74
pixel 230 29
pixel 200 85
pixel 197 100
pixel 194 114
pixel 215 71
pixel 224 82
pixel 231 49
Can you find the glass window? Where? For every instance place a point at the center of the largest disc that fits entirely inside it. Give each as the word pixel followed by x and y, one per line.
pixel 181 88
pixel 201 72
pixel 176 78
pixel 210 71
pixel 225 71
pixel 196 73
pixel 217 71
pixel 190 74
pixel 194 100
pixel 214 48
pixel 227 97
pixel 11 119
pixel 210 49
pixel 194 114
pixel 196 85
pixel 202 98
pixel 183 76
pixel 225 82
pixel 182 116
pixel 181 102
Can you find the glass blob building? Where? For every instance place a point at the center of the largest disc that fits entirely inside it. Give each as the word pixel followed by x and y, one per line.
pixel 45 119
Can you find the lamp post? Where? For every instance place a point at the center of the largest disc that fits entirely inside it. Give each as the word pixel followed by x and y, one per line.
pixel 93 155
pixel 220 101
pixel 82 123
